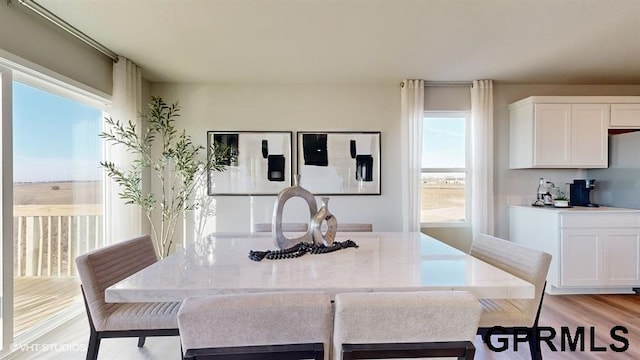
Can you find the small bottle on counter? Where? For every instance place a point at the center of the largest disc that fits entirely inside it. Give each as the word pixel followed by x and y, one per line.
pixel 542 191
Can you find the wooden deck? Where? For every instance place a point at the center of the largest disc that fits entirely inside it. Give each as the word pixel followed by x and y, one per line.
pixel 38 298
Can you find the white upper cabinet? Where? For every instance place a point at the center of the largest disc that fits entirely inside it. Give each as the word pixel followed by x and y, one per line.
pixel 625 116
pixel 552 135
pixel 589 140
pixel 567 131
pixel 556 135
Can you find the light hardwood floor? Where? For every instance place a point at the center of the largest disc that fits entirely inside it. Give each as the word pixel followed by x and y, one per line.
pixel 601 312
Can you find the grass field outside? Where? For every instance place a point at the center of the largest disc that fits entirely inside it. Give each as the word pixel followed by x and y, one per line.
pixel 443 202
pixel 55 193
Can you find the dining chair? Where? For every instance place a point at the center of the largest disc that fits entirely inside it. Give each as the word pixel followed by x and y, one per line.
pixel 426 324
pixel 290 227
pixel 355 227
pixel 514 315
pixel 104 267
pixel 272 325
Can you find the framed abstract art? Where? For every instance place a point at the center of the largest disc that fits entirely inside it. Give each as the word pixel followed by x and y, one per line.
pixel 339 163
pixel 261 163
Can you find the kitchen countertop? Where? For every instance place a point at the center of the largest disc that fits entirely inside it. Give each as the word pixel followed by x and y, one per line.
pixel 578 208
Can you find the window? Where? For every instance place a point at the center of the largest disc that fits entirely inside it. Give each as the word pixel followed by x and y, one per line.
pixel 445 177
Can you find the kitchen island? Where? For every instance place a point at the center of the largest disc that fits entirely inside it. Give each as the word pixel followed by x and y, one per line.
pixel 594 249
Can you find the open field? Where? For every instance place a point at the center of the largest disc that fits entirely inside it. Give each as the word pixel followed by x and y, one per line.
pixel 442 202
pixel 56 193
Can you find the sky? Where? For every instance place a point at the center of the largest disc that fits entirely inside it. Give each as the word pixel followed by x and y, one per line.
pixel 54 138
pixel 443 142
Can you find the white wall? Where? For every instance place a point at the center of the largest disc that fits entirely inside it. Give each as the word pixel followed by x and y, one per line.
pixel 32 38
pixel 356 107
pixel 298 108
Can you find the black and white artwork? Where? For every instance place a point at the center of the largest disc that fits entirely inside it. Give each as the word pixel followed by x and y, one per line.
pixel 261 163
pixel 339 163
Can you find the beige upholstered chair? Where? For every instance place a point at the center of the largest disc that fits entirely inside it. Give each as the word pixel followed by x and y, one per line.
pixel 104 267
pixel 291 227
pixel 527 264
pixel 273 325
pixel 355 227
pixel 405 325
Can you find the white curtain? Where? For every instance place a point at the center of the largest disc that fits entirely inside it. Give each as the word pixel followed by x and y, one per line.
pixel 482 157
pixel 123 221
pixel 412 113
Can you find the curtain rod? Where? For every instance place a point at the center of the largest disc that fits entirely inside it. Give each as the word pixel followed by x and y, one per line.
pixel 443 83
pixel 447 83
pixel 42 11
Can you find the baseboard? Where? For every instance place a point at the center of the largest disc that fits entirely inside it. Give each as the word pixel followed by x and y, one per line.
pixel 552 290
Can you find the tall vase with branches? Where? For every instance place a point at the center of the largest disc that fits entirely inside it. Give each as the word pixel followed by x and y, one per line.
pixel 176 164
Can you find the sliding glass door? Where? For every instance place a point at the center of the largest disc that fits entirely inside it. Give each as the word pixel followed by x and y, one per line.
pixel 52 199
pixel 57 197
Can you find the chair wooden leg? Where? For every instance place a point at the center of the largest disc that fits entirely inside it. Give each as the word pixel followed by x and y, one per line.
pixel 94 345
pixel 534 341
pixel 319 352
pixel 141 341
pixel 470 353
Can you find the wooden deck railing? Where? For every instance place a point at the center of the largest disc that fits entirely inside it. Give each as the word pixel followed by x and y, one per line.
pixel 47 238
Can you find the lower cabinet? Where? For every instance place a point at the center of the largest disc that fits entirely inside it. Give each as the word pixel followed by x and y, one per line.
pixel 593 250
pixel 599 257
pixel 621 250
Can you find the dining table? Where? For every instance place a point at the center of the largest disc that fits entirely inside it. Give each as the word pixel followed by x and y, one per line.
pixel 219 263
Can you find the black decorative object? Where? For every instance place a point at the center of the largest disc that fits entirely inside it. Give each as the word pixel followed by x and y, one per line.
pixel 300 249
pixel 262 165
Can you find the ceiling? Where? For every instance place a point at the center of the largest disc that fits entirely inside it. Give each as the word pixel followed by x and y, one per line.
pixel 367 41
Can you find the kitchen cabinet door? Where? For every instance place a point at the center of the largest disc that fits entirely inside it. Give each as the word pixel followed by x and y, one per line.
pixel 621 251
pixel 625 116
pixel 552 135
pixel 589 141
pixel 558 135
pixel 580 252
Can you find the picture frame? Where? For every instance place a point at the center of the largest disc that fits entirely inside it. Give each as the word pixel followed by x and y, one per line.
pixel 262 163
pixel 339 162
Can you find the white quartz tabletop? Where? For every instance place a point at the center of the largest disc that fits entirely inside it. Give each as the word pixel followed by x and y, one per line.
pixel 394 261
